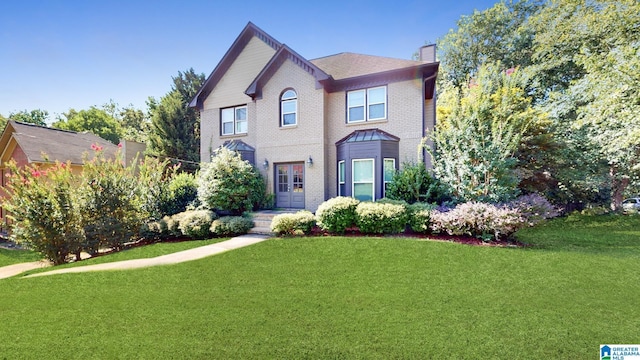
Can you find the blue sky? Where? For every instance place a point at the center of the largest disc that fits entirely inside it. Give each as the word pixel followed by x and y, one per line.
pixel 56 55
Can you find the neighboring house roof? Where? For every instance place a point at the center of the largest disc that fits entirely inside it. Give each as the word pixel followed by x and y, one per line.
pixel 46 145
pixel 368 135
pixel 344 71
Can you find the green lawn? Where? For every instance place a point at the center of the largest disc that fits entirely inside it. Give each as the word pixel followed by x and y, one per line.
pixel 334 297
pixel 10 257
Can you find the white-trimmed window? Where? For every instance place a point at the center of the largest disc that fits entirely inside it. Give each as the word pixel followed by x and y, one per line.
pixel 363 179
pixel 341 178
pixel 389 171
pixel 367 104
pixel 289 108
pixel 234 120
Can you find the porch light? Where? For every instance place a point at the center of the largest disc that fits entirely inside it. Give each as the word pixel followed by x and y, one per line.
pixel 310 161
pixel 265 164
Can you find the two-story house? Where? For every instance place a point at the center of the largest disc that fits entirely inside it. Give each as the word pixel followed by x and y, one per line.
pixel 336 125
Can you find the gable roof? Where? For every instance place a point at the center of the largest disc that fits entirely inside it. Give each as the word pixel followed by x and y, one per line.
pixel 343 71
pixel 60 145
pixel 276 61
pixel 229 57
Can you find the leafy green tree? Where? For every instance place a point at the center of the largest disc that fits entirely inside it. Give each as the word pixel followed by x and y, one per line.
pixel 94 120
pixel 3 121
pixel 587 60
pixel 175 127
pixel 37 116
pixel 495 34
pixel 476 142
pixel 134 123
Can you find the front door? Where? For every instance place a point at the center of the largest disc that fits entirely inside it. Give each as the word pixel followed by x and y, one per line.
pixel 290 185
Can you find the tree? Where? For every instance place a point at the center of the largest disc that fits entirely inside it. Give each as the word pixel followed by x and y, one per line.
pixel 175 127
pixel 476 141
pixel 37 116
pixel 495 34
pixel 3 121
pixel 134 124
pixel 588 59
pixel 93 120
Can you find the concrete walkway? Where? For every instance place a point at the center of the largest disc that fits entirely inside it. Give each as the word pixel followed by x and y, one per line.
pixel 178 257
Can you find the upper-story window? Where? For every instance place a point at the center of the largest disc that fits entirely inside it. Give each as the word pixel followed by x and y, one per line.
pixel 289 108
pixel 234 120
pixel 367 104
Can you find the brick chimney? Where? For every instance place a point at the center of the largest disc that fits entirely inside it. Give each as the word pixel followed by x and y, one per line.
pixel 428 53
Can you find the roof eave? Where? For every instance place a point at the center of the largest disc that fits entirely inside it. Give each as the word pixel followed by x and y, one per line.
pixel 240 42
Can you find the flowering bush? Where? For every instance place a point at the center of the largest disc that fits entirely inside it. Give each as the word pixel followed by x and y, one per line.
pixel 230 226
pixel 381 218
pixel 299 223
pixel 337 214
pixel 229 183
pixel 534 208
pixel 485 221
pixel 43 210
pixel 196 223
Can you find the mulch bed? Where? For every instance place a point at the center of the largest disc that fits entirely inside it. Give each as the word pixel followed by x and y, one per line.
pixel 467 240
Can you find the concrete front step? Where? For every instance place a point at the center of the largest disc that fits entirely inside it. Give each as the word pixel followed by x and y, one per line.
pixel 262 221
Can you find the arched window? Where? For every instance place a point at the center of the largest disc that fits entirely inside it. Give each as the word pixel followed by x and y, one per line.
pixel 289 108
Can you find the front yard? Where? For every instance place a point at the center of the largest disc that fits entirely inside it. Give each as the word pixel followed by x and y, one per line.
pixel 338 297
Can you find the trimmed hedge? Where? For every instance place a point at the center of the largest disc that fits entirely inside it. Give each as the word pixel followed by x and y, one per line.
pixel 230 226
pixel 419 217
pixel 196 223
pixel 299 223
pixel 381 218
pixel 337 214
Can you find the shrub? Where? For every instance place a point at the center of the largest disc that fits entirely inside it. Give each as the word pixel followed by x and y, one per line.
pixel 196 223
pixel 419 215
pixel 155 230
pixel 337 214
pixel 154 178
pixel 414 183
pixel 229 183
pixel 182 192
pixel 110 203
pixel 485 221
pixel 380 218
pixel 230 226
pixel 44 212
pixel 299 223
pixel 534 208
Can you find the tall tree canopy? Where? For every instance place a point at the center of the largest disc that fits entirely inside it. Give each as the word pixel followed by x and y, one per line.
pixel 582 61
pixel 37 116
pixel 175 127
pixel 95 120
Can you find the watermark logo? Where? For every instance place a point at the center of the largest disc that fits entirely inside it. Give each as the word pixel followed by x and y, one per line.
pixel 619 352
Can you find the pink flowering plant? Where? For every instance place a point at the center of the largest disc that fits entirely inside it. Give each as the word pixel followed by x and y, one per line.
pixel 42 207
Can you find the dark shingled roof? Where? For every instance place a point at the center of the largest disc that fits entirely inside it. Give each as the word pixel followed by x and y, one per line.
pixel 237 145
pixel 368 135
pixel 347 65
pixel 60 145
